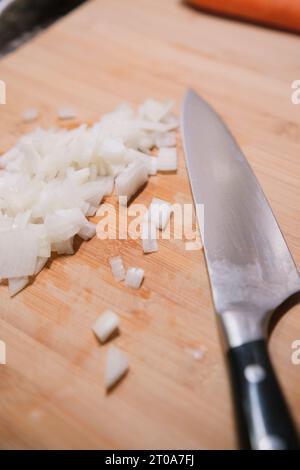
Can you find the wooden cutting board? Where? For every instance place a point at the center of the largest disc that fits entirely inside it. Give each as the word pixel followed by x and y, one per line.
pixel 51 390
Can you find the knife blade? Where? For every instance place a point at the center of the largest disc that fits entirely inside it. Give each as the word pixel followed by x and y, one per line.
pixel 250 267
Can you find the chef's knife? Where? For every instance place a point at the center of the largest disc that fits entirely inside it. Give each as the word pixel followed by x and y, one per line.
pixel 250 268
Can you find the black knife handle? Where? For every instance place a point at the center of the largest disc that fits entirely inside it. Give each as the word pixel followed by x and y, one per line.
pixel 263 417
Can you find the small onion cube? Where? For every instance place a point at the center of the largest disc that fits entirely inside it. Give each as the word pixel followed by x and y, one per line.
pixel 116 366
pixel 91 211
pixel 131 179
pixel 159 213
pixel 132 155
pixel 167 159
pixel 134 277
pixel 150 245
pixel 87 231
pixel 117 268
pixel 155 110
pixel 113 150
pixel 64 247
pixel 18 253
pixel 166 140
pixel 107 184
pixel 193 245
pixel 172 121
pixel 15 285
pixel 152 166
pixel 30 114
pixel 65 112
pixel 40 263
pixel 107 323
pixel 149 238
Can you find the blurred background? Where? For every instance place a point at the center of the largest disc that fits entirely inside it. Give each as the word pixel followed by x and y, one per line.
pixel 21 19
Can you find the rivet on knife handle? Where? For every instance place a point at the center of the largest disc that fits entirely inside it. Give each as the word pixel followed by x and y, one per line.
pixel 262 413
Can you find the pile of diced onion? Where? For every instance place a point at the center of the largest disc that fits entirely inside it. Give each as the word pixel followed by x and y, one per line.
pixel 52 180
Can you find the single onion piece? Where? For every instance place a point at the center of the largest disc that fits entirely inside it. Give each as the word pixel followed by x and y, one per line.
pixel 22 219
pixel 16 284
pixel 80 176
pixel 171 121
pixel 64 223
pixel 166 140
pixel 167 159
pixel 107 323
pixel 18 253
pixel 40 263
pixel 155 110
pixel 113 150
pixel 159 213
pixel 117 268
pixel 134 277
pixel 64 247
pixel 91 211
pixel 132 155
pixel 146 142
pixel 155 126
pixel 87 231
pixel 193 245
pixel 107 184
pixel 65 112
pixel 116 169
pixel 30 114
pixel 131 179
pixel 116 366
pixel 149 237
pixel 152 166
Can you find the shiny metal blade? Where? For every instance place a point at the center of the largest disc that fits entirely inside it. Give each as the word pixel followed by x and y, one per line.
pixel 249 263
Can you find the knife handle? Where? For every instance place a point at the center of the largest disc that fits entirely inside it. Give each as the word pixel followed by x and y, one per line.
pixel 263 416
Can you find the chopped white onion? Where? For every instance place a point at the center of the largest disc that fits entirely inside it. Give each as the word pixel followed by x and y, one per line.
pixel 155 110
pixel 18 253
pixel 166 140
pixel 149 238
pixel 51 180
pixel 193 245
pixel 117 268
pixel 131 179
pixel 107 323
pixel 87 231
pixel 113 150
pixel 30 114
pixel 116 366
pixel 132 155
pixel 65 112
pixel 15 285
pixel 64 247
pixel 91 211
pixel 171 120
pixel 152 166
pixel 40 263
pixel 167 159
pixel 159 213
pixel 134 277
pixel 64 223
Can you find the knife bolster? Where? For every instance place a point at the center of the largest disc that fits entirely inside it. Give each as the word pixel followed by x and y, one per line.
pixel 241 327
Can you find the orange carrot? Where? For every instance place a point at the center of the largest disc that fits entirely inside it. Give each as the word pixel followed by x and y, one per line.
pixel 280 13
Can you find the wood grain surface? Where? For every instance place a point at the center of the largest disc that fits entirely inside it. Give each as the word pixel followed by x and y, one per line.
pixel 51 389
